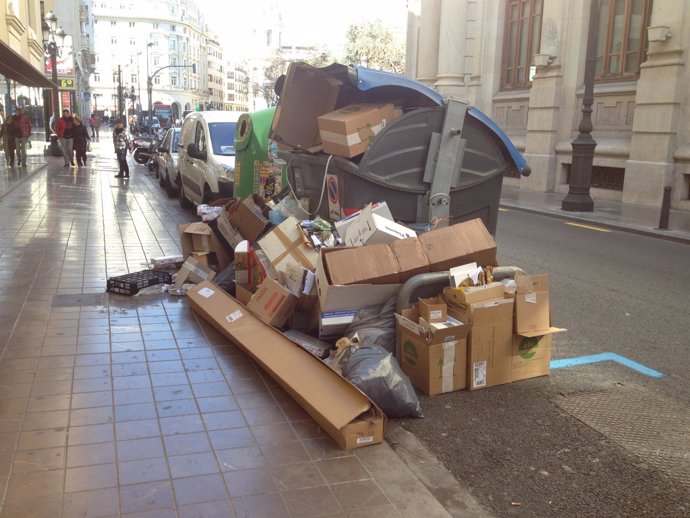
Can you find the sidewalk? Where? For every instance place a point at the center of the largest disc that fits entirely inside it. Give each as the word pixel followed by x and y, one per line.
pixel 611 214
pixel 115 406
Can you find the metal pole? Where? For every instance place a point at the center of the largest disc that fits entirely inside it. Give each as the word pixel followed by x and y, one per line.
pixel 120 100
pixel 665 209
pixel 149 88
pixel 578 198
pixel 52 48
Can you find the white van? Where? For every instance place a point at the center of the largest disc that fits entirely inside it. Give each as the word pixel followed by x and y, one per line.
pixel 207 156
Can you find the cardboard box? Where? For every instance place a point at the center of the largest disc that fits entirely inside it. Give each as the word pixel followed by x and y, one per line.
pixel 307 93
pixel 380 208
pixel 259 268
pixel 490 344
pixel 531 356
pixel 371 229
pixel 193 271
pixel 287 244
pixel 434 357
pixel 249 216
pixel 272 302
pixel 410 256
pixel 371 264
pixel 243 293
pixel 344 301
pixel 459 244
pixel 433 310
pixel 219 257
pixel 532 310
pixel 473 294
pixel 345 413
pixel 349 130
pixel 230 233
pixel 242 262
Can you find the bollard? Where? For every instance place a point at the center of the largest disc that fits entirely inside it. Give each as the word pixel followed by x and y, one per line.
pixel 665 209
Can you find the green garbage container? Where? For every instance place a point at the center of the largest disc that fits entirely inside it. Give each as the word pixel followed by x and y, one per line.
pixel 257 166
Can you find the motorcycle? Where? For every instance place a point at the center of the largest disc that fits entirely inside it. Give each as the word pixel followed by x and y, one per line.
pixel 144 149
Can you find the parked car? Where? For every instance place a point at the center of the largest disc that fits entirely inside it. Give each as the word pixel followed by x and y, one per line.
pixel 144 126
pixel 167 159
pixel 206 156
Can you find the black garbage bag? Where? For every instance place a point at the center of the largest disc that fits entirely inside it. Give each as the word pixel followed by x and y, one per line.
pixel 376 372
pixel 375 325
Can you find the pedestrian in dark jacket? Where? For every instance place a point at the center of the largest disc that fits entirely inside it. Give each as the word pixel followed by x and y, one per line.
pixel 121 144
pixel 81 138
pixel 10 132
pixel 64 127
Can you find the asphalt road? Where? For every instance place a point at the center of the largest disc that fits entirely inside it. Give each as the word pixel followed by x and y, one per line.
pixel 516 448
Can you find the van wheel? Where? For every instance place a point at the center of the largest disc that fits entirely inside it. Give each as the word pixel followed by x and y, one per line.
pixel 170 188
pixel 161 179
pixel 208 195
pixel 184 202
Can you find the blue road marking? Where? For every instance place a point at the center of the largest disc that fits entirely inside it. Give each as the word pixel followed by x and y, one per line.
pixel 603 357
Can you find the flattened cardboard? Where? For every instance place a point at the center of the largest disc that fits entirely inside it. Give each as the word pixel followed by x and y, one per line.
pixel 371 264
pixel 532 309
pixel 287 244
pixel 230 233
pixel 307 94
pixel 459 244
pixel 490 344
pixel 272 302
pixel 349 130
pixel 434 359
pixel 410 256
pixel 343 411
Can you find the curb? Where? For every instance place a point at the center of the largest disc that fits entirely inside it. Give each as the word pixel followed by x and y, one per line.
pixel 633 229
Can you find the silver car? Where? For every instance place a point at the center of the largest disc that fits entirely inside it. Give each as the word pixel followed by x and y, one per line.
pixel 167 161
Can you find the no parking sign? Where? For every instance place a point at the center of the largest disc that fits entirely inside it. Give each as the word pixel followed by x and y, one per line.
pixel 333 191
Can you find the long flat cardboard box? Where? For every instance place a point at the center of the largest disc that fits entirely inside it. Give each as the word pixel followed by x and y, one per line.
pixel 342 410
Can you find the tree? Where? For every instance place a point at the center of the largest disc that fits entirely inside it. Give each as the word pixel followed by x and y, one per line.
pixel 374 45
pixel 320 58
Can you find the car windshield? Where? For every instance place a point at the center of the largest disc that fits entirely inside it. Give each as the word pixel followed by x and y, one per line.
pixel 223 138
pixel 175 141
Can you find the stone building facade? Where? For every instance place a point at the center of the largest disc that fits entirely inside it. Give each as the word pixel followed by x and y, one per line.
pixel 523 61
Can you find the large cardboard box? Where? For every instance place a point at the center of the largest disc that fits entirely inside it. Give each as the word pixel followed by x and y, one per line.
pixel 307 94
pixel 410 256
pixel 341 302
pixel 272 302
pixel 459 244
pixel 349 130
pixel 433 356
pixel 249 217
pixel 490 344
pixel 287 244
pixel 371 264
pixel 531 356
pixel 202 236
pixel 532 310
pixel 194 271
pixel 343 411
pixel 473 294
pixel 371 229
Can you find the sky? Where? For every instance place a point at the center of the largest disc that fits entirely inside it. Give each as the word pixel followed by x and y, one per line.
pixel 305 22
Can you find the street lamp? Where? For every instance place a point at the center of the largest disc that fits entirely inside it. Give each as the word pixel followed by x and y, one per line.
pixel 149 87
pixel 53 38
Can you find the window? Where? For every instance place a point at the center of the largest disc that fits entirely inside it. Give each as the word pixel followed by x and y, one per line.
pixel 173 61
pixel 157 80
pixel 622 42
pixel 132 41
pixel 520 42
pixel 155 25
pixel 131 24
pixel 173 80
pixel 172 44
pixel 156 61
pixel 97 78
pixel 173 28
pixel 113 23
pixel 133 78
pixel 200 137
pixel 113 40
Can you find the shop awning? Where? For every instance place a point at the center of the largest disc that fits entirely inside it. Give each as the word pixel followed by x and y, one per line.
pixel 15 67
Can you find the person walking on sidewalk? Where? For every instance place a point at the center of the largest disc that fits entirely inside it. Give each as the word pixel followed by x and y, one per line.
pixel 121 143
pixel 95 124
pixel 81 136
pixel 8 142
pixel 24 125
pixel 65 132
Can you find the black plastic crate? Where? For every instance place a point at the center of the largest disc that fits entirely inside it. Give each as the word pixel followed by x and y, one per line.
pixel 131 283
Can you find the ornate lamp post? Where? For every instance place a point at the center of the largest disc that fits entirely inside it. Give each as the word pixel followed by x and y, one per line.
pixel 53 38
pixel 578 198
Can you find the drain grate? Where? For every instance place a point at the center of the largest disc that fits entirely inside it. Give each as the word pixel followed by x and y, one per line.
pixel 78 300
pixel 654 427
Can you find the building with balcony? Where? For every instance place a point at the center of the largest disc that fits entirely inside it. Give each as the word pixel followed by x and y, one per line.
pixel 237 87
pixel 167 40
pixel 522 62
